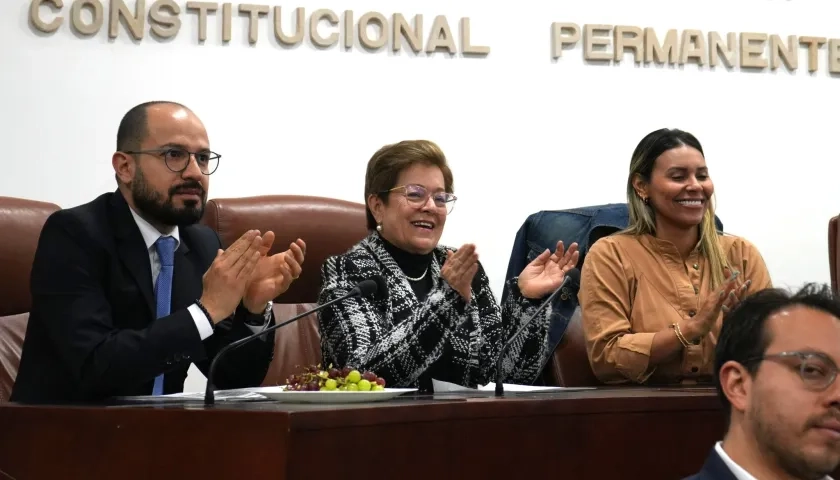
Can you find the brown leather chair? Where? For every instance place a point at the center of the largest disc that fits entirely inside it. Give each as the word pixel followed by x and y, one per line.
pixel 833 249
pixel 21 222
pixel 328 226
pixel 569 366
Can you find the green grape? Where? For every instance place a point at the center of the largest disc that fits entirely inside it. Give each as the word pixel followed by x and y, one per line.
pixel 346 379
pixel 354 376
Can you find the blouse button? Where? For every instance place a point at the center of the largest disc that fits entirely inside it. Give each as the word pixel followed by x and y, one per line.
pixel 691 313
pixel 696 267
pixel 694 369
pixel 696 290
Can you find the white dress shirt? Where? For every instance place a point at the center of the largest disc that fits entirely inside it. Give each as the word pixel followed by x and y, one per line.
pixel 736 469
pixel 150 236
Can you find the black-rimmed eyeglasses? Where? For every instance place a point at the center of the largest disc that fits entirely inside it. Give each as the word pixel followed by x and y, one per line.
pixel 178 159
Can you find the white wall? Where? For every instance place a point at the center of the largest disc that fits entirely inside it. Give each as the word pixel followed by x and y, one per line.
pixel 523 133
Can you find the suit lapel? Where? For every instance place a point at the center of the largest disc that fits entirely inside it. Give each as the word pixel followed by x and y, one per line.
pixel 715 468
pixel 186 280
pixel 132 249
pixel 396 277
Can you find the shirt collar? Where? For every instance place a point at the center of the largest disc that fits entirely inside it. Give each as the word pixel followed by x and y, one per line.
pixel 150 233
pixel 665 245
pixel 736 469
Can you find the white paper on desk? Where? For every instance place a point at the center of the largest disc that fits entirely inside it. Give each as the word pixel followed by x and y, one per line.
pixel 446 387
pixel 219 395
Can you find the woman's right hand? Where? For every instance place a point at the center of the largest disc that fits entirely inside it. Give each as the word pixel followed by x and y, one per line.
pixel 459 269
pixel 724 298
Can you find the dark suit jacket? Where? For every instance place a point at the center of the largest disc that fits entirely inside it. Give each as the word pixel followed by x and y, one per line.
pixel 92 331
pixel 713 469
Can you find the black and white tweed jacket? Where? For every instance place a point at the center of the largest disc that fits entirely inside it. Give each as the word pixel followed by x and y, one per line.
pixel 398 337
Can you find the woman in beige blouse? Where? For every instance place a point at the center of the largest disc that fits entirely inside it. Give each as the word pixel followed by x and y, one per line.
pixel 653 296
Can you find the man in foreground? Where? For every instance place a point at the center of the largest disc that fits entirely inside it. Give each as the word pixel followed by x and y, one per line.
pixel 129 289
pixel 776 364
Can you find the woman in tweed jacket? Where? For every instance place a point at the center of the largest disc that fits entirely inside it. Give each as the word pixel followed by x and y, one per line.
pixel 438 317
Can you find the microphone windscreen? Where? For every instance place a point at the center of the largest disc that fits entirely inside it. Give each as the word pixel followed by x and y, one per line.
pixel 371 286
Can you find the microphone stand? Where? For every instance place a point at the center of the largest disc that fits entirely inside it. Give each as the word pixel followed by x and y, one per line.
pixel 500 389
pixel 209 392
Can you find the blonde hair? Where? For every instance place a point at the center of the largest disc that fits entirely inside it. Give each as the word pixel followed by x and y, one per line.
pixel 642 215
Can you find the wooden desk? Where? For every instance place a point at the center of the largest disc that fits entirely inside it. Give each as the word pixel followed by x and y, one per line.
pixel 610 434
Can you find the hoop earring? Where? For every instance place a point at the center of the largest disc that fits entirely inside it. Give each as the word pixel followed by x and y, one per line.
pixel 379 227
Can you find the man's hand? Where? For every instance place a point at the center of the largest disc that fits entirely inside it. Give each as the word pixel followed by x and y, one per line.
pixel 230 273
pixel 273 274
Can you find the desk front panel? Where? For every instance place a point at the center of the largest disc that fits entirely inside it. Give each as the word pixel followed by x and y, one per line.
pixel 608 433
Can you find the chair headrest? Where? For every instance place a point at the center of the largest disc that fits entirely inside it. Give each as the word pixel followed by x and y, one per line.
pixel 21 221
pixel 328 226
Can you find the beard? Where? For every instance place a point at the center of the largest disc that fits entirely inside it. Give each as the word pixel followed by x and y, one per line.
pixel 779 442
pixel 158 209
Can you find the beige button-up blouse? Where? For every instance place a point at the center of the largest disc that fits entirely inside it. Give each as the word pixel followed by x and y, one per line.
pixel 634 286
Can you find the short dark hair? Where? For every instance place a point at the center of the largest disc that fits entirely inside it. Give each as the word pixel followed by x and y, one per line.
pixel 134 125
pixel 744 337
pixel 385 166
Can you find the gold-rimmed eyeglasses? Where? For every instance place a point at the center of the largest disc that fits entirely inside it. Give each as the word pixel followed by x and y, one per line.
pixel 418 195
pixel 178 159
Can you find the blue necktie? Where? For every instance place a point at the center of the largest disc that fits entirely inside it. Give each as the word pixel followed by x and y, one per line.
pixel 163 288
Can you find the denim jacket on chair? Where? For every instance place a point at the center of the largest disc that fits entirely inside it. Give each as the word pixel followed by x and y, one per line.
pixel 542 230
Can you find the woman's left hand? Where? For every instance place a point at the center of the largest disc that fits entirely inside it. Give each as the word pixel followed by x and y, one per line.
pixel 546 272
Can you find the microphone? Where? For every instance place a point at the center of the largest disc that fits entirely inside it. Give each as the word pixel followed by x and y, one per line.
pixel 362 289
pixel 573 274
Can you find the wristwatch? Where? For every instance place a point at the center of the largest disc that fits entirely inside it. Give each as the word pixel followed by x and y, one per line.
pixel 257 320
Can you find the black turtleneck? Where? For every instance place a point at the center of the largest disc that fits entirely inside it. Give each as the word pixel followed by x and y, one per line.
pixel 413 265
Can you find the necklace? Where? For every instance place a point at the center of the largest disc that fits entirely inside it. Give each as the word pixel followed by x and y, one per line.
pixel 417 279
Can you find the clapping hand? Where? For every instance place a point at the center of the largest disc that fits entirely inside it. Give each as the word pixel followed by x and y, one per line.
pixel 459 269
pixel 224 283
pixel 273 274
pixel 736 291
pixel 725 298
pixel 546 272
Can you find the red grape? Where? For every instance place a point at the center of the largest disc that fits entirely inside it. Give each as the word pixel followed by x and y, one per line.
pixel 314 378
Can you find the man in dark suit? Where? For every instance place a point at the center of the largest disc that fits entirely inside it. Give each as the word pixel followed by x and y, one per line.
pixel 129 290
pixel 776 363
